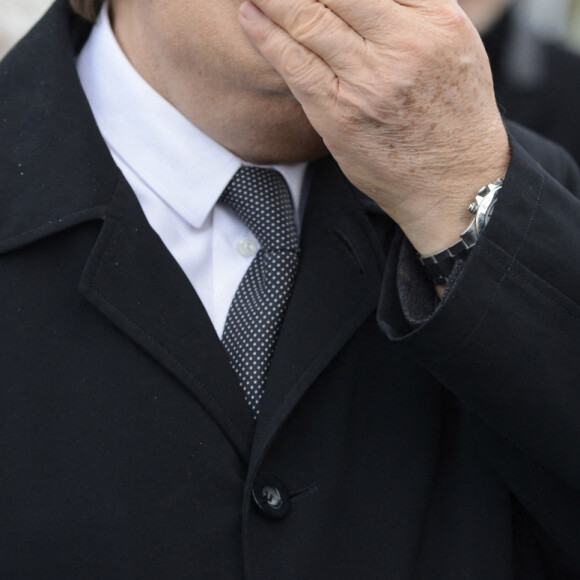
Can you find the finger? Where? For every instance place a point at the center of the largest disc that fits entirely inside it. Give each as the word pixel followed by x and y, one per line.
pixel 424 3
pixel 370 20
pixel 315 26
pixel 435 8
pixel 308 76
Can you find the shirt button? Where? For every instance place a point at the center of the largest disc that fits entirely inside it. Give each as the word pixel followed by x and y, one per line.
pixel 247 247
pixel 271 497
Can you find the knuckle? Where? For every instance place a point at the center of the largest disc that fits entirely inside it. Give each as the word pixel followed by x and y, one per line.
pixel 452 17
pixel 298 66
pixel 308 21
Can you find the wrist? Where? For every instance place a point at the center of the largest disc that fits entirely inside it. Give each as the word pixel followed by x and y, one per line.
pixel 442 225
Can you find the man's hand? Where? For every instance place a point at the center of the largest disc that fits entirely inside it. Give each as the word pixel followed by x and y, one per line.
pixel 401 93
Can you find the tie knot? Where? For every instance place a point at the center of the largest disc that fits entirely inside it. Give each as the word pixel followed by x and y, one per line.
pixel 261 199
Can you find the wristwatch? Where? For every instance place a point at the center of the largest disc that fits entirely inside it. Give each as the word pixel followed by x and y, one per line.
pixel 439 266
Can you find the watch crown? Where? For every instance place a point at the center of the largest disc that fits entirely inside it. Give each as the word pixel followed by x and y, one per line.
pixel 473 207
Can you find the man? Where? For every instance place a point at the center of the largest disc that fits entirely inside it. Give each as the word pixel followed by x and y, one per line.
pixel 392 438
pixel 536 82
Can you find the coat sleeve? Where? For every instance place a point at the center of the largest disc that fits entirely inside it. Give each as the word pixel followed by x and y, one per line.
pixel 506 341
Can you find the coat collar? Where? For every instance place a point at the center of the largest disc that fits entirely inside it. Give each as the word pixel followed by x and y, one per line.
pixel 56 169
pixel 58 173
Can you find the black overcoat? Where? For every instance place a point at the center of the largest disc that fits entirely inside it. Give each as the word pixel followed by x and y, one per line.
pixel 127 451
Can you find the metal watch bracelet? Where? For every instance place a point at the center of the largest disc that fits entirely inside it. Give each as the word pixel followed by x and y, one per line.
pixel 439 266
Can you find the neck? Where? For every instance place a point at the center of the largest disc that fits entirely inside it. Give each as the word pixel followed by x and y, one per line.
pixel 263 128
pixel 253 115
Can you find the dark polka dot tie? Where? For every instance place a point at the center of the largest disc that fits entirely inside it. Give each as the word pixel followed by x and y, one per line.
pixel 261 200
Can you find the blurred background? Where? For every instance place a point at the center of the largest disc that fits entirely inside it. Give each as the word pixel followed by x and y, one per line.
pixel 16 18
pixel 551 19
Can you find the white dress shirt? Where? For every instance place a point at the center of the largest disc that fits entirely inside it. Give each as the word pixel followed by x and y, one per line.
pixel 176 171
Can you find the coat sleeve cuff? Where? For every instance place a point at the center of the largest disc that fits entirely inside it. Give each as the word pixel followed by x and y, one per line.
pixel 535 227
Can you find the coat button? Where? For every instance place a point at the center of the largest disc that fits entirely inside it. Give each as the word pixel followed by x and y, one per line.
pixel 271 497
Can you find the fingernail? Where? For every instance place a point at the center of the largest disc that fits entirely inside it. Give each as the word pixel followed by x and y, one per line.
pixel 249 10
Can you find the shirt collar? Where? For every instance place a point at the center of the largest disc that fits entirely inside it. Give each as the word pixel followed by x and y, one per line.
pixel 180 163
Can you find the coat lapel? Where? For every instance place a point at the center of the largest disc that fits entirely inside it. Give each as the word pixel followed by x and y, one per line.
pixel 133 280
pixel 130 276
pixel 336 289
